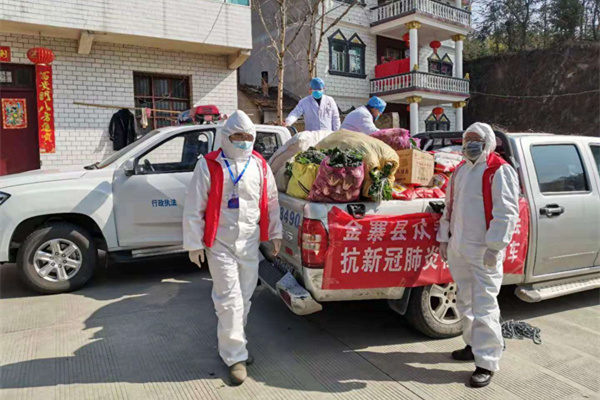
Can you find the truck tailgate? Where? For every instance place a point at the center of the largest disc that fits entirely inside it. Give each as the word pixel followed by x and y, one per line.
pixel 293 210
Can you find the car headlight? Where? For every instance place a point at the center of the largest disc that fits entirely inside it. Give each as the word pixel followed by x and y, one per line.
pixel 3 197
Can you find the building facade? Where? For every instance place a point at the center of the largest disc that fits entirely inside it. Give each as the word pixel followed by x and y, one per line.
pixel 369 52
pixel 118 55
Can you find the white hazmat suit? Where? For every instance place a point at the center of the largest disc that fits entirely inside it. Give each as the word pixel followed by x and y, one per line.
pixel 360 120
pixel 317 117
pixel 233 258
pixel 464 228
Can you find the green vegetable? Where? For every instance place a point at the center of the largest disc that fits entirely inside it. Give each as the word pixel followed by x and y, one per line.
pixel 380 188
pixel 310 156
pixel 413 144
pixel 288 169
pixel 344 158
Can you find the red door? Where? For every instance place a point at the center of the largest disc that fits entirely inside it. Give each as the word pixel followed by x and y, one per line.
pixel 19 146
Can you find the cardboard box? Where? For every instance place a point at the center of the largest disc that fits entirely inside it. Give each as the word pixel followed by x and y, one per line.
pixel 416 167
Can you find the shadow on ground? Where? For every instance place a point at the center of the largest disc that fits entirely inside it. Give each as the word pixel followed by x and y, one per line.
pixel 155 322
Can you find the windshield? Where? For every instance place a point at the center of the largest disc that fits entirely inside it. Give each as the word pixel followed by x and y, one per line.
pixel 125 149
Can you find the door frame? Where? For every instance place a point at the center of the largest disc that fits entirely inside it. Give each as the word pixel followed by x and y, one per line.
pixel 33 88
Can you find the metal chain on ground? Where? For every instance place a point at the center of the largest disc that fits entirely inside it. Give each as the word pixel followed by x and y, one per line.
pixel 512 329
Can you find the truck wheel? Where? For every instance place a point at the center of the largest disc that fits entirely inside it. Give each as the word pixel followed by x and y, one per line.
pixel 57 258
pixel 432 310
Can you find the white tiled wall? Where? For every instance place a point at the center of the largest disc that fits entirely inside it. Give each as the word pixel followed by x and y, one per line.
pixel 203 21
pixel 450 112
pixel 106 77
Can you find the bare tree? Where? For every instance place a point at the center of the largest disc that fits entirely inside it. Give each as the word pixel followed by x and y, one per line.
pixel 317 20
pixel 277 17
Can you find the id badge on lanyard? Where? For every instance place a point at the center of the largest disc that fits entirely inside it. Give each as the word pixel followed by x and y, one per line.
pixel 234 199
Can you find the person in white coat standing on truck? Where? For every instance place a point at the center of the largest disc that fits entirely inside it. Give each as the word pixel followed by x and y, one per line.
pixel 363 118
pixel 481 214
pixel 231 206
pixel 319 110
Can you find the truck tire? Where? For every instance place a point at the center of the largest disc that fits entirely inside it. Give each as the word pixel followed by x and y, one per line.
pixel 57 258
pixel 432 310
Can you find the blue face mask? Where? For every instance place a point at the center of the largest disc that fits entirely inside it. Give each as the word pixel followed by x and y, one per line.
pixel 317 94
pixel 473 150
pixel 242 145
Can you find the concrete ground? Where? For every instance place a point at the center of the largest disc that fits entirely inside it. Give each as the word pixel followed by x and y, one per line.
pixel 147 331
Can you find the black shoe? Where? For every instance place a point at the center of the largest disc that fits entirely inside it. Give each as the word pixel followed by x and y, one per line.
pixel 481 377
pixel 250 360
pixel 465 354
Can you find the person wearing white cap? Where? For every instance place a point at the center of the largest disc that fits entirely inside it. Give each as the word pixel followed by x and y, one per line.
pixel 363 118
pixel 319 110
pixel 231 206
pixel 481 214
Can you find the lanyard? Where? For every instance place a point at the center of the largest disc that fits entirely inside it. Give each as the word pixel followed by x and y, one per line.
pixel 233 178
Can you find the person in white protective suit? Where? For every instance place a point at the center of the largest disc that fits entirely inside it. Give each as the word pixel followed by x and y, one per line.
pixel 363 118
pixel 319 110
pixel 231 206
pixel 481 214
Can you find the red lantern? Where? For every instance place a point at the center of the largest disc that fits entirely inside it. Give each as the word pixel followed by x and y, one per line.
pixel 437 111
pixel 406 38
pixel 40 55
pixel 435 45
pixel 408 108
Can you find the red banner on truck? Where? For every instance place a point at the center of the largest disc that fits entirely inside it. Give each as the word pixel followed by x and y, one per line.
pixel 398 251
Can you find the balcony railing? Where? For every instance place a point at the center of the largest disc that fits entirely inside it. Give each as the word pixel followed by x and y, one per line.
pixel 415 80
pixel 434 8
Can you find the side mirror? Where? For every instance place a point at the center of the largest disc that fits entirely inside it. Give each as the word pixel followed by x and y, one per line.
pixel 129 167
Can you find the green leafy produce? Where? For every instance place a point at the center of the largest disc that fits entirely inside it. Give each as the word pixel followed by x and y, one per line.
pixel 310 156
pixel 288 169
pixel 343 158
pixel 380 189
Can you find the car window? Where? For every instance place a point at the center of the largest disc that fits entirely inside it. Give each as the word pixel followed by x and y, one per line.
pixel 126 149
pixel 559 168
pixel 178 154
pixel 596 152
pixel 266 144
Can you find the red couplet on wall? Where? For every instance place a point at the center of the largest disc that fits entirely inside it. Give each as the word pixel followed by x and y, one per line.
pixel 45 108
pixel 398 251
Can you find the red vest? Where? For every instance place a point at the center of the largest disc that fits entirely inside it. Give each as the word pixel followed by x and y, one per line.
pixel 494 162
pixel 215 195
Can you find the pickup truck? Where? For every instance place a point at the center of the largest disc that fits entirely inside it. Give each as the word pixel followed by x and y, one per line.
pixel 53 222
pixel 559 177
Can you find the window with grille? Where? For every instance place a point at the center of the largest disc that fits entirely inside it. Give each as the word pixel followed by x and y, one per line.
pixel 442 66
pixel 433 123
pixel 346 57
pixel 161 92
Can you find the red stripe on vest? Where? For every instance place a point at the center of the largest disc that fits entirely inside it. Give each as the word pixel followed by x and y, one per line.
pixel 494 162
pixel 212 213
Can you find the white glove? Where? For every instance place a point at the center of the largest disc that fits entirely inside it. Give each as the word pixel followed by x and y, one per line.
pixel 444 251
pixel 197 257
pixel 277 246
pixel 490 258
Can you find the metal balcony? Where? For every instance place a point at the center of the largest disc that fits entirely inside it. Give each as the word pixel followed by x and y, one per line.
pixel 420 83
pixel 438 11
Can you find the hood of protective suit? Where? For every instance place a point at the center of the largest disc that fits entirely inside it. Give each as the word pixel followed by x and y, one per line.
pixel 487 134
pixel 237 122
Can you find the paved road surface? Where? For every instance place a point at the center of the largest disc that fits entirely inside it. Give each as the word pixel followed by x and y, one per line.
pixel 147 331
